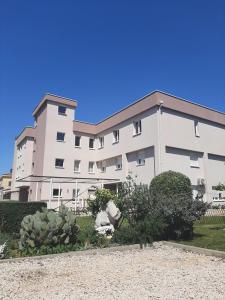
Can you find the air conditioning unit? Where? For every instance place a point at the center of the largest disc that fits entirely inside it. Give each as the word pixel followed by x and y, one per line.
pixel 201 181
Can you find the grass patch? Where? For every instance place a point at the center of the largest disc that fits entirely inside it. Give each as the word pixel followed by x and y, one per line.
pixel 11 245
pixel 85 222
pixel 211 236
pixel 208 233
pixel 5 237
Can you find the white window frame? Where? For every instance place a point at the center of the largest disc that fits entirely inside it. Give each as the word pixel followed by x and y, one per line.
pixel 194 160
pixel 93 143
pixel 119 164
pixel 59 167
pixel 101 142
pixel 137 127
pixel 140 159
pixel 116 136
pixel 79 137
pixel 93 167
pixel 196 124
pixel 58 140
pixel 78 170
pixel 103 167
pixel 57 196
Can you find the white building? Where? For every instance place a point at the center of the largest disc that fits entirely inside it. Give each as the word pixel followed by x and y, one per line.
pixel 60 155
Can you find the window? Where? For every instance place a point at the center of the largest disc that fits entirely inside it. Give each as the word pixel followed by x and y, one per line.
pixel 194 163
pixel 197 129
pixel 9 183
pixel 77 166
pixel 101 142
pixel 118 164
pixel 61 110
pixel 141 159
pixel 76 193
pixel 56 193
pixel 91 167
pixel 137 127
pixel 60 136
pixel 91 143
pixel 103 167
pixel 59 162
pixel 116 136
pixel 77 141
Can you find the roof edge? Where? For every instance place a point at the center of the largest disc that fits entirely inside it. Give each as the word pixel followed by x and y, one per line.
pixel 21 132
pixel 56 99
pixel 189 101
pixel 132 103
pixel 148 95
pixel 156 98
pixel 27 132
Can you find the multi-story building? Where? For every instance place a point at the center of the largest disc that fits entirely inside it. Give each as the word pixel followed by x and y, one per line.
pixel 60 156
pixel 5 186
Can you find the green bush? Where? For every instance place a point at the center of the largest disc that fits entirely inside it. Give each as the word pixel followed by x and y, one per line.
pixel 125 235
pixel 13 212
pixel 171 184
pixel 89 238
pixel 102 197
pixel 220 187
pixel 44 250
pixel 48 228
pixel 145 224
pixel 171 193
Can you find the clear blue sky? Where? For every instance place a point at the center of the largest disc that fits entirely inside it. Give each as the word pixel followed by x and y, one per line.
pixel 106 54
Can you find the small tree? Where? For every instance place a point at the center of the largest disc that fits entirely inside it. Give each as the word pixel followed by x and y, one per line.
pixel 135 203
pixel 172 195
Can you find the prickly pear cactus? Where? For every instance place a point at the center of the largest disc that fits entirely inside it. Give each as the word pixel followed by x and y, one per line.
pixel 48 228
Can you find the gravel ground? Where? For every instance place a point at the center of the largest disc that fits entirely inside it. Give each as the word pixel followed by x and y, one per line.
pixel 161 272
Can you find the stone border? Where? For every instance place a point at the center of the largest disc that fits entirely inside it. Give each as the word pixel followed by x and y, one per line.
pixel 94 251
pixel 198 250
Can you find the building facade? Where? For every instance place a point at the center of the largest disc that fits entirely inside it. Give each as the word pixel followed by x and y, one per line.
pixel 60 158
pixel 5 186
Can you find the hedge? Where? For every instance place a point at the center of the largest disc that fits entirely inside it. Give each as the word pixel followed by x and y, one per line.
pixel 13 212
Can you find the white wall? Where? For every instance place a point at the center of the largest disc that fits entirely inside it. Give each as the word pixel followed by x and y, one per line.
pixel 178 132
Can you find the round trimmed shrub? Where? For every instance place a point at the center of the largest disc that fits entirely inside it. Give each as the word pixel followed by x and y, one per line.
pixel 172 195
pixel 171 184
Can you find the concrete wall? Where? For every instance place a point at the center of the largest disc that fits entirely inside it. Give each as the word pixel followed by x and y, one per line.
pixel 22 165
pixel 66 150
pixel 178 130
pixel 47 149
pixel 128 142
pixel 142 173
pixel 128 147
pixel 178 140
